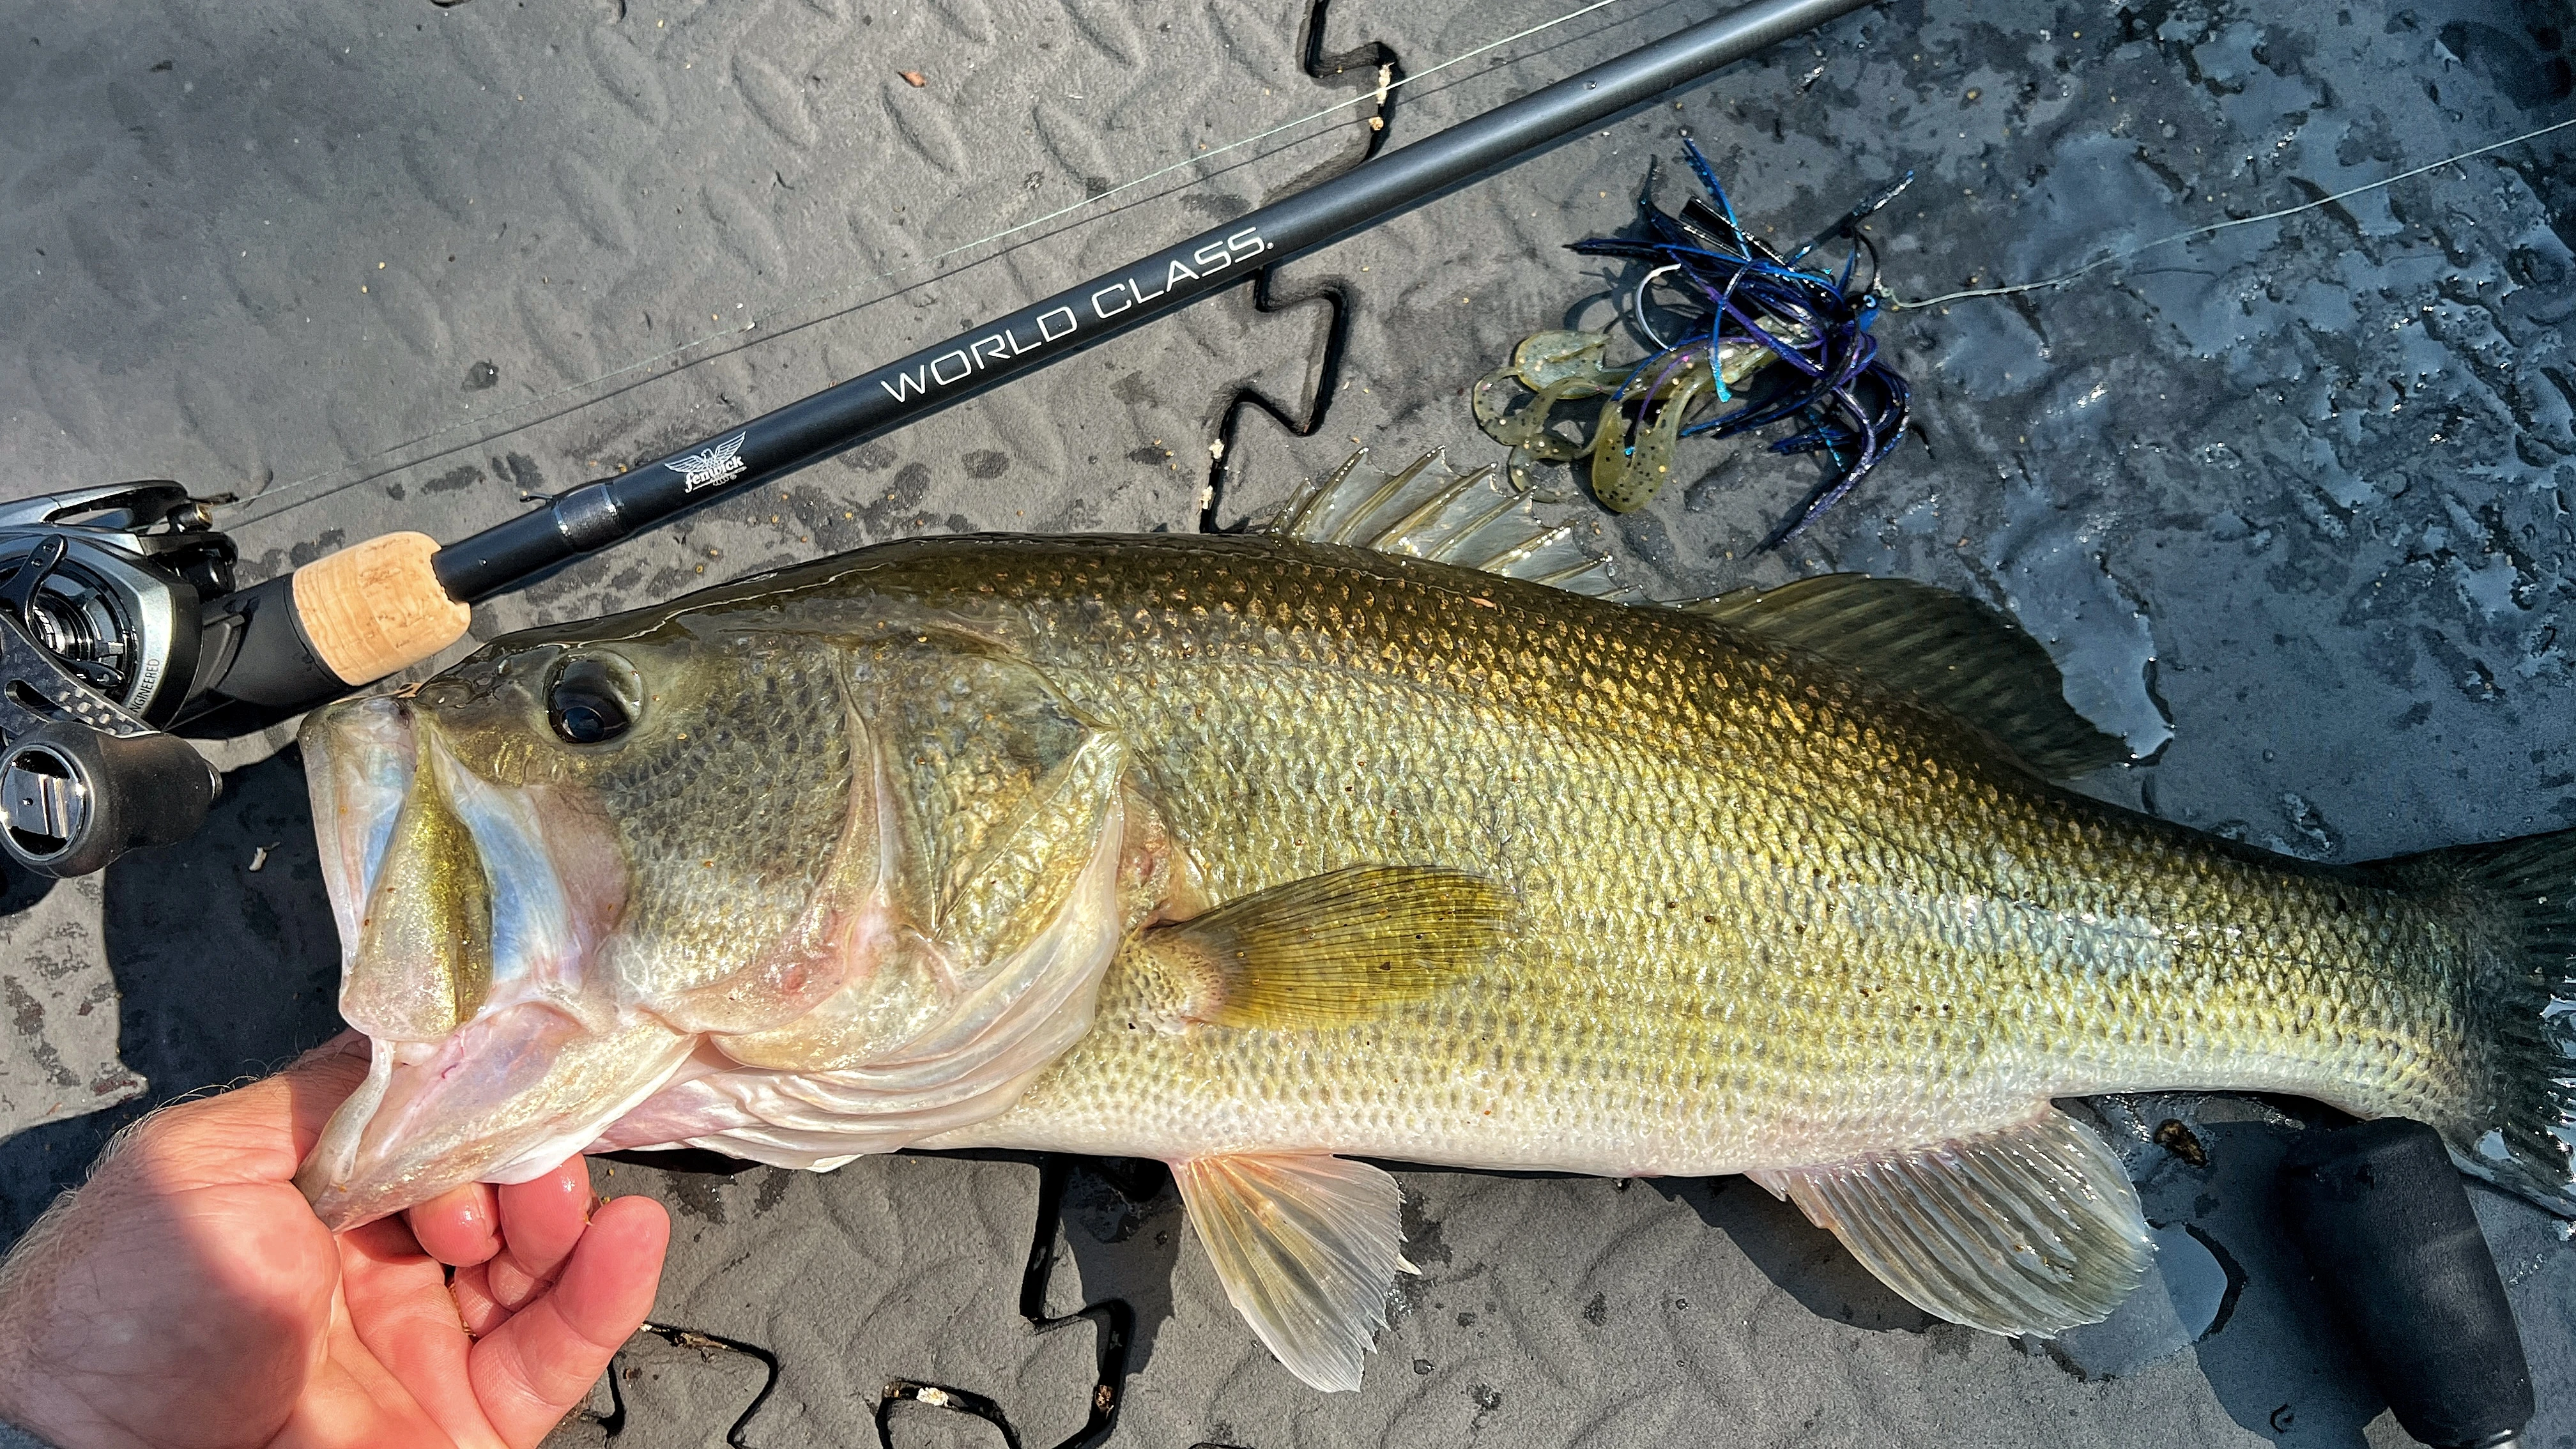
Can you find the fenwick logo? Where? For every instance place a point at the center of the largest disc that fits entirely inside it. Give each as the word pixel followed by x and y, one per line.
pixel 719 464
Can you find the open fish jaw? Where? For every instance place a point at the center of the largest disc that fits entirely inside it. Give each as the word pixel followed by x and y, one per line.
pixel 358 765
pixel 467 959
pixel 512 949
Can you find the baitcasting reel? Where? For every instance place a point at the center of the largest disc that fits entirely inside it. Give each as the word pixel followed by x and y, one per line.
pixel 117 604
pixel 120 623
pixel 102 633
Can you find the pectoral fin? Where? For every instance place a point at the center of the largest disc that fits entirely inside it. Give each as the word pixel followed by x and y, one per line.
pixel 1307 1249
pixel 2033 1229
pixel 1330 949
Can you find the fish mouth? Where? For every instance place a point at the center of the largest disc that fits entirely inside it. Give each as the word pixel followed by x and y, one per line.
pixel 505 1098
pixel 360 757
pixel 470 914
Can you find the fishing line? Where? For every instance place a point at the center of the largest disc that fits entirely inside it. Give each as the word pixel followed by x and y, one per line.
pixel 2052 283
pixel 1388 84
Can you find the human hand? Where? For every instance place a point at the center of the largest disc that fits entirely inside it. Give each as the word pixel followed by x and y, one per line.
pixel 189 1297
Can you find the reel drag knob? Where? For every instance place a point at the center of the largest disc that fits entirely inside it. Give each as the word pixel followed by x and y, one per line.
pixel 73 799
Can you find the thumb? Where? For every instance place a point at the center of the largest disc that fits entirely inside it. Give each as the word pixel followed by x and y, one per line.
pixel 256 1133
pixel 531 1370
pixel 317 1082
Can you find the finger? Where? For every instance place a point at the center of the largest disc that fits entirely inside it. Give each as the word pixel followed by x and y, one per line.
pixel 472 1290
pixel 459 1226
pixel 510 1287
pixel 540 1221
pixel 539 1364
pixel 400 1311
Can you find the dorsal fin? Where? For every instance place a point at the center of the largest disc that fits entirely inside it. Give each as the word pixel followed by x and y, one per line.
pixel 1938 646
pixel 1946 649
pixel 1474 520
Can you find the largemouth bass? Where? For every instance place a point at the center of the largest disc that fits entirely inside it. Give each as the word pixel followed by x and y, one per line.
pixel 1374 834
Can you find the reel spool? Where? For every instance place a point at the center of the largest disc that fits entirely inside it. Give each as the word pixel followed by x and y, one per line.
pixel 119 609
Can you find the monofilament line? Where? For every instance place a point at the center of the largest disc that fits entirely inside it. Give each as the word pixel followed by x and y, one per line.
pixel 1376 95
pixel 2052 283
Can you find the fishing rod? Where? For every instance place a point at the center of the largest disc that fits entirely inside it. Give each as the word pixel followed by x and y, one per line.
pixel 119 621
pixel 1082 316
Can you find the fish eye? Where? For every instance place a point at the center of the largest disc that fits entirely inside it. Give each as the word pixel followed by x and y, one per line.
pixel 594 698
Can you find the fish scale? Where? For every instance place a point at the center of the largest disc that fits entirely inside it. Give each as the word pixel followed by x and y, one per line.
pixel 1602 761
pixel 701 915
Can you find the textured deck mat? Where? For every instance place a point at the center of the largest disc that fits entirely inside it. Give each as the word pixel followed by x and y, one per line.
pixel 2304 486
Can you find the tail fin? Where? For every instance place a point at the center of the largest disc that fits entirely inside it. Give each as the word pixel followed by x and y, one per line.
pixel 2520 1012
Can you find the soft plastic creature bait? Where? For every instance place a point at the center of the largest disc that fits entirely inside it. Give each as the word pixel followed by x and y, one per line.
pixel 1741 307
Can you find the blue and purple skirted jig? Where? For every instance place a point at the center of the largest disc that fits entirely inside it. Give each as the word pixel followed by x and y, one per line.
pixel 1738 307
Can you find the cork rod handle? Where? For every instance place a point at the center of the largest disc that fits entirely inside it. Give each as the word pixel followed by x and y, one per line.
pixel 377 607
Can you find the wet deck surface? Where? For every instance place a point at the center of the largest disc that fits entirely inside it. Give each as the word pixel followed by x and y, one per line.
pixel 2302 486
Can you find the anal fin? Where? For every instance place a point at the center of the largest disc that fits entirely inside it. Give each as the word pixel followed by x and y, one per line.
pixel 1327 950
pixel 2031 1229
pixel 1307 1247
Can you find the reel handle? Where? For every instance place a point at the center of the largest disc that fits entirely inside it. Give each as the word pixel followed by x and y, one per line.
pixel 73 799
pixel 2390 1235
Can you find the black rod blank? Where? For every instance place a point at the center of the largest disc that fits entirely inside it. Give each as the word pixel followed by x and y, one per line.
pixel 600 513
